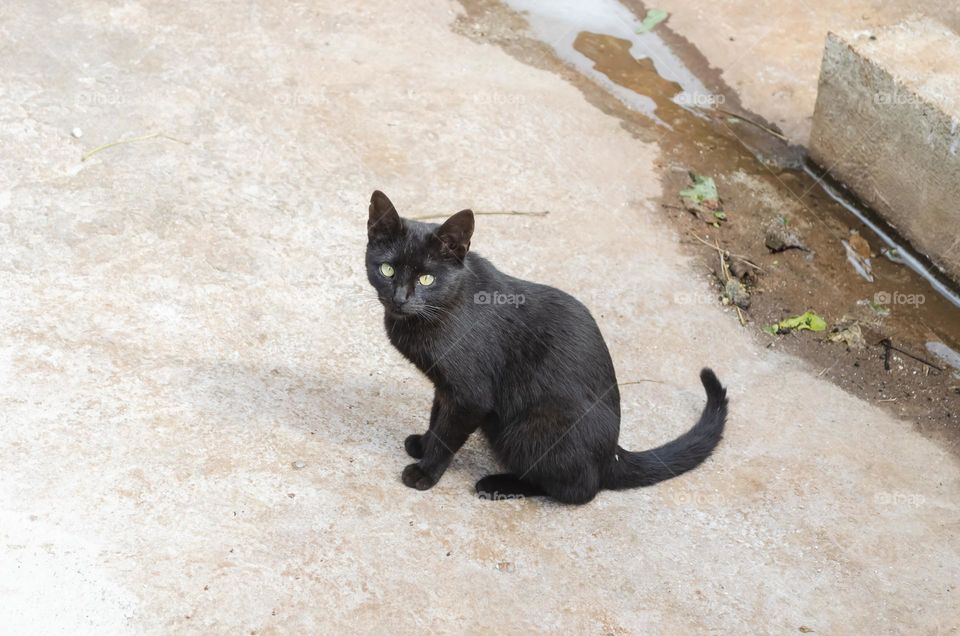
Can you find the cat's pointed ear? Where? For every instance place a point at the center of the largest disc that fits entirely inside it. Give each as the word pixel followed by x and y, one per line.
pixel 384 222
pixel 455 233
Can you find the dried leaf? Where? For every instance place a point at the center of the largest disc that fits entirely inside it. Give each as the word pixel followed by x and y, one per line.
pixel 860 245
pixel 863 266
pixel 850 335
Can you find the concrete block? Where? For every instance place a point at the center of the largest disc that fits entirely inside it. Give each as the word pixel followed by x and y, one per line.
pixel 887 125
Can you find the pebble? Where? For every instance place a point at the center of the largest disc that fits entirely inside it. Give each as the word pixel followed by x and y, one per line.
pixel 76 132
pixel 299 465
pixel 736 293
pixel 778 238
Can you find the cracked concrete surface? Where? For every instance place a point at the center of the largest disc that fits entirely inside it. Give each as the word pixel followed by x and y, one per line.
pixel 180 324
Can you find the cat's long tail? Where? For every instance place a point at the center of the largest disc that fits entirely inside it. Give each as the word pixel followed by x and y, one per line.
pixel 688 451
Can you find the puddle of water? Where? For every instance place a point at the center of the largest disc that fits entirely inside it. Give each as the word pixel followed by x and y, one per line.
pixel 598 38
pixel 904 253
pixel 559 23
pixel 945 353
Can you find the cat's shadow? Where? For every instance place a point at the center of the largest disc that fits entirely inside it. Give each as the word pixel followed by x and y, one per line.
pixel 339 412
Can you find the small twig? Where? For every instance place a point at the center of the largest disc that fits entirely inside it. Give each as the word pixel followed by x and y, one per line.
pixel 888 400
pixel 888 347
pixel 496 213
pixel 639 382
pixel 726 279
pixel 754 123
pixel 742 259
pixel 130 141
pixel 723 262
pixel 743 320
pixel 827 368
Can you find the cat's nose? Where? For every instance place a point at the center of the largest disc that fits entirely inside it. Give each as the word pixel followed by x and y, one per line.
pixel 400 298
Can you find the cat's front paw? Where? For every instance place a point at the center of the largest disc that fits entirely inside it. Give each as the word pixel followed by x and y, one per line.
pixel 414 477
pixel 414 446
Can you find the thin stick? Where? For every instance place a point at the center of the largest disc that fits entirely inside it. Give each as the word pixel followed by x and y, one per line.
pixel 639 381
pixel 888 345
pixel 736 256
pixel 497 213
pixel 130 141
pixel 723 263
pixel 726 279
pixel 754 123
pixel 827 368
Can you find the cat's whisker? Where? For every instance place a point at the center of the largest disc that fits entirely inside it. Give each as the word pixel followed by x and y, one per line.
pixel 436 311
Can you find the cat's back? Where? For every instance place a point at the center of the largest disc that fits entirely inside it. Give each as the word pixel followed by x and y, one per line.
pixel 544 301
pixel 536 311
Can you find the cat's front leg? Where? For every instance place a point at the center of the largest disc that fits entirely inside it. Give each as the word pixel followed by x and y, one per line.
pixel 450 429
pixel 414 443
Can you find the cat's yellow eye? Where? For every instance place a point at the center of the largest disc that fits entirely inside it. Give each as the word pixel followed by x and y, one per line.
pixel 387 270
pixel 426 279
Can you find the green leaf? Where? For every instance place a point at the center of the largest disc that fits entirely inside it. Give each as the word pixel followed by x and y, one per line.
pixel 808 320
pixel 805 321
pixel 652 19
pixel 880 310
pixel 704 189
pixel 703 200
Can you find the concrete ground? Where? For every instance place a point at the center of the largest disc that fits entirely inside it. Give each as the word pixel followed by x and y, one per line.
pixel 202 420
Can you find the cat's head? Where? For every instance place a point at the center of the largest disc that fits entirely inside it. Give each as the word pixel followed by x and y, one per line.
pixel 417 268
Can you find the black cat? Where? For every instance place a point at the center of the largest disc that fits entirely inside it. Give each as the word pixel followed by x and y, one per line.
pixel 523 362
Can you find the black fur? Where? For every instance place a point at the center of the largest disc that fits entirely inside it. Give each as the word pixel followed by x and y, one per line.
pixel 525 363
